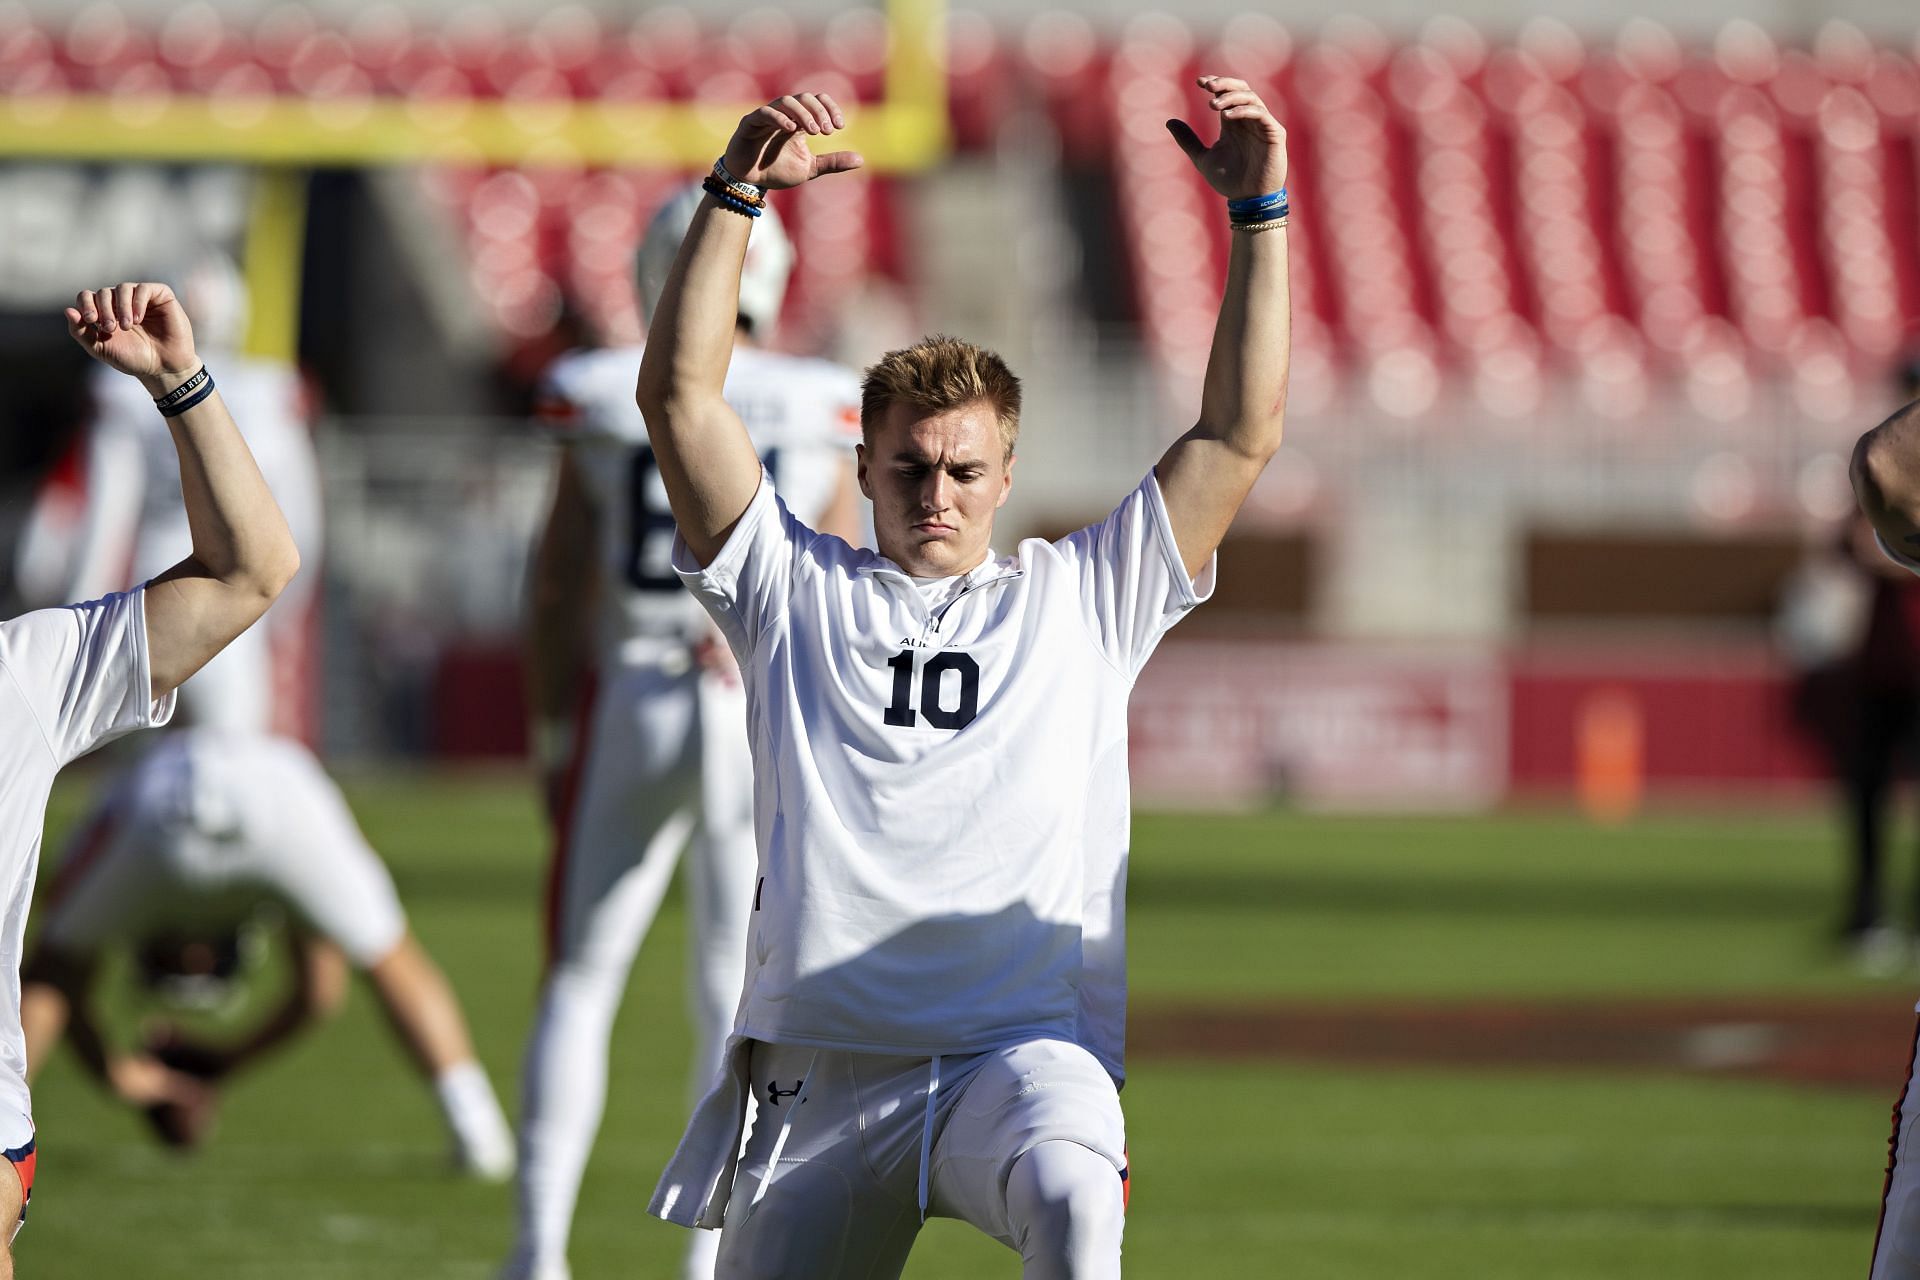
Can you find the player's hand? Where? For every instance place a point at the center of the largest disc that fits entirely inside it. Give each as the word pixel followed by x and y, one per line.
pixel 769 148
pixel 163 1041
pixel 139 329
pixel 1250 158
pixel 143 1081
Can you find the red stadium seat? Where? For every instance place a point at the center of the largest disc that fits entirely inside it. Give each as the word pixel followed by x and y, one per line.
pixel 1856 246
pixel 1765 289
pixel 980 80
pixel 1066 64
pixel 277 38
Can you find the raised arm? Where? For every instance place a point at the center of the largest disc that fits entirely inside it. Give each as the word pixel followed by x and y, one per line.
pixel 706 459
pixel 243 555
pixel 1886 479
pixel 1208 472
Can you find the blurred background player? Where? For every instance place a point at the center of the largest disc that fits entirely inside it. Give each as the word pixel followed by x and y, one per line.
pixel 658 758
pixel 133 524
pixel 80 675
pixel 199 835
pixel 1886 478
pixel 1880 728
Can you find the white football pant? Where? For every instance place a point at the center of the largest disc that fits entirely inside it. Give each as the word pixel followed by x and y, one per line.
pixel 850 1152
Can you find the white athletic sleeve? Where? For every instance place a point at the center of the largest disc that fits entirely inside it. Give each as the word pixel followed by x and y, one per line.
pixel 556 400
pixel 751 579
pixel 587 395
pixel 84 671
pixel 1133 586
pixel 842 419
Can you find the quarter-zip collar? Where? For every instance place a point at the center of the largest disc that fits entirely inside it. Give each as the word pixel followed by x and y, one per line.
pixel 989 572
pixel 882 567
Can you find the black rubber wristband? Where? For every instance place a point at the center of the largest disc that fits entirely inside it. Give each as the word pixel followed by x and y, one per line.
pixel 186 395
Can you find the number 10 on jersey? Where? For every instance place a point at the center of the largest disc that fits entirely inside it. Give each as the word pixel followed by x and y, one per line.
pixel 949 690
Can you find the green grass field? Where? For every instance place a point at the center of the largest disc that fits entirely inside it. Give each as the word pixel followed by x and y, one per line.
pixel 328 1161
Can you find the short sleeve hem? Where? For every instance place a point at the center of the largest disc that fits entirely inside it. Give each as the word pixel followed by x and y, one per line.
pixel 157 711
pixel 723 574
pixel 1193 590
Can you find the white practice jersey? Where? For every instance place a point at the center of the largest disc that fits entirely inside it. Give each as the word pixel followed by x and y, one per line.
pixel 130 540
pixel 941 788
pixel 206 828
pixel 70 679
pixel 803 416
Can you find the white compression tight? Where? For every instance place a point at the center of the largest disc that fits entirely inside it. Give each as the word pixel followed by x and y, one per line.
pixel 1065 1204
pixel 563 1094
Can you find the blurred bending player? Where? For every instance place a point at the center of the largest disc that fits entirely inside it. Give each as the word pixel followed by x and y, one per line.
pixel 1886 478
pixel 72 678
pixel 657 758
pixel 194 844
pixel 133 524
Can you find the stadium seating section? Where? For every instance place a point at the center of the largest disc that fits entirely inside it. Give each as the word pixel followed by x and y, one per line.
pixel 1620 209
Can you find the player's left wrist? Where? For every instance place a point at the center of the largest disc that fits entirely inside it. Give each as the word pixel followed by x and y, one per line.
pixel 1258 211
pixel 169 376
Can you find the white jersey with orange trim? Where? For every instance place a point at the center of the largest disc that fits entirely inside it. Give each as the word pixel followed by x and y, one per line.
pixel 70 679
pixel 126 543
pixel 804 418
pixel 941 793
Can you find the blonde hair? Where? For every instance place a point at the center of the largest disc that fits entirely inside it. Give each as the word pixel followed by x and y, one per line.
pixel 940 373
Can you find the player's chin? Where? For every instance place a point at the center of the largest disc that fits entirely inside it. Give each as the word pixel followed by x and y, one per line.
pixel 937 549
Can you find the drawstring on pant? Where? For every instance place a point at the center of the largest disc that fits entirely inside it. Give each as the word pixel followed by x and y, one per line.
pixel 926 1133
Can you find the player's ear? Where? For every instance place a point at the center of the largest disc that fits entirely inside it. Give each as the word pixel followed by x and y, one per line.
pixel 1006 480
pixel 860 470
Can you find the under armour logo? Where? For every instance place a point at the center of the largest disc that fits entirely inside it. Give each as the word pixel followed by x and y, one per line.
pixel 775 1092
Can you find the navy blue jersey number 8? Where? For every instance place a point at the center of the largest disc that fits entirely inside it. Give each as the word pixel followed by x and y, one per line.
pixel 650 523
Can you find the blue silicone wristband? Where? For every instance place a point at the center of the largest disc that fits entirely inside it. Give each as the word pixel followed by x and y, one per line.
pixel 1273 213
pixel 1255 204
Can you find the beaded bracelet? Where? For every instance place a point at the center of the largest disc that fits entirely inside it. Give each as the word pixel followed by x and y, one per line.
pixel 1272 224
pixel 751 192
pixel 724 197
pixel 1247 211
pixel 186 395
pixel 747 195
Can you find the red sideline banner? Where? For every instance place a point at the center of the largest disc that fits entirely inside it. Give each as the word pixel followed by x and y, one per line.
pixel 1704 717
pixel 1336 726
pixel 1322 725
